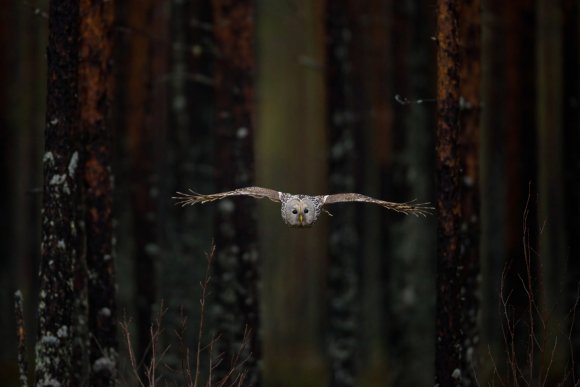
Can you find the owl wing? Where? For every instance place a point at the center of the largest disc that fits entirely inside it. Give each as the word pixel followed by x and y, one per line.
pixel 408 208
pixel 189 199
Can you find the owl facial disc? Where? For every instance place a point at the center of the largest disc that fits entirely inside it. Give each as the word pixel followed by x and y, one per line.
pixel 299 212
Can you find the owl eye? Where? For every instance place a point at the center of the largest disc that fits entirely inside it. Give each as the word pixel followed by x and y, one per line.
pixel 294 211
pixel 306 210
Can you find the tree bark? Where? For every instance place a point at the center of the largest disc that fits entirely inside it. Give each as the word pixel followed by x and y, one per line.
pixel 95 94
pixel 492 171
pixel 468 142
pixel 449 308
pixel 571 45
pixel 61 198
pixel 343 271
pixel 142 127
pixel 409 297
pixel 551 206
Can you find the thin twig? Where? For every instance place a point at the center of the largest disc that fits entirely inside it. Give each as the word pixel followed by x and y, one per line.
pixel 551 361
pixel 572 324
pixel 204 287
pixel 185 352
pixel 125 329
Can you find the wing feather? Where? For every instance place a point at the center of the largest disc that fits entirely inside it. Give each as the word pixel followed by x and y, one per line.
pixel 191 198
pixel 408 208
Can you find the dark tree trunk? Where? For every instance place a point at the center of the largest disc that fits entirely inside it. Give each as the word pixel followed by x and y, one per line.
pixel 23 124
pixel 571 35
pixel 468 142
pixel 449 309
pixel 142 136
pixel 343 268
pixel 519 143
pixel 551 205
pixel 187 233
pixel 410 299
pixel 8 139
pixel 60 225
pixel 95 94
pixel 236 275
pixel 492 171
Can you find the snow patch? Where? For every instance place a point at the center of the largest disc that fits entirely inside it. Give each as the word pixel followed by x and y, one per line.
pixel 49 339
pixel 242 132
pixel 48 158
pixel 456 374
pixel 72 165
pixel 57 179
pixel 62 331
pixel 49 382
pixel 104 364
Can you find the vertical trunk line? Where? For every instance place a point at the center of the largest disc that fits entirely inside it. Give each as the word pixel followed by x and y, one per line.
pixel 470 77
pixel 95 94
pixel 448 367
pixel 61 198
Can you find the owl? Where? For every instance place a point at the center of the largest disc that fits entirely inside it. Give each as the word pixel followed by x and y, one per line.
pixel 302 210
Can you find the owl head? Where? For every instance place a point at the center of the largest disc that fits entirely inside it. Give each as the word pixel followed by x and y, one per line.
pixel 300 212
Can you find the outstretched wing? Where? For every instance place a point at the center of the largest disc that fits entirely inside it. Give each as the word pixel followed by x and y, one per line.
pixel 408 208
pixel 187 199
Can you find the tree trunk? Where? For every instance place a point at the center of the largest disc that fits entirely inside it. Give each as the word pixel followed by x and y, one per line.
pixel 409 297
pixel 60 223
pixel 468 142
pixel 95 95
pixel 188 164
pixel 571 45
pixel 140 103
pixel 449 309
pixel 236 276
pixel 344 175
pixel 291 155
pixel 552 208
pixel 492 171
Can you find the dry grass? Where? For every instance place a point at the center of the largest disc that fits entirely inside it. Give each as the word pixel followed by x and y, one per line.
pixel 535 328
pixel 147 375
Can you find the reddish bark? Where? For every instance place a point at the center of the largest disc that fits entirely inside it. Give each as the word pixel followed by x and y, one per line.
pixel 449 309
pixel 142 142
pixel 95 93
pixel 470 77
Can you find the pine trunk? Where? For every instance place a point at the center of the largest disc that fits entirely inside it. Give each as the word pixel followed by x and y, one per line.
pixel 468 142
pixel 344 240
pixel 95 95
pixel 449 308
pixel 60 221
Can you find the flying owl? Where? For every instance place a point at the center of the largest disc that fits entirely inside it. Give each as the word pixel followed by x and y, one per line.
pixel 302 210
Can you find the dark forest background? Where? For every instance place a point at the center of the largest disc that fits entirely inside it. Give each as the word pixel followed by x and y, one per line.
pixel 108 108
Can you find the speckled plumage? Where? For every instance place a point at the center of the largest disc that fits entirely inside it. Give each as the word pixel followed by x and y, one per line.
pixel 302 210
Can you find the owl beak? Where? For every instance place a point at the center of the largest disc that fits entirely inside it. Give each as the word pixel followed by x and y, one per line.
pixel 301 218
